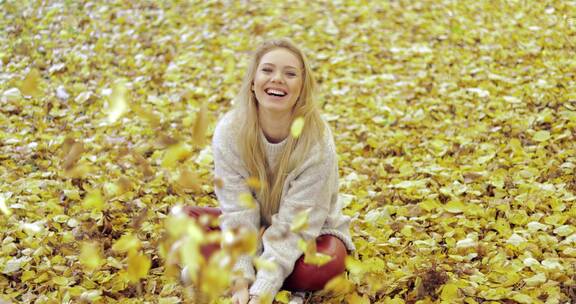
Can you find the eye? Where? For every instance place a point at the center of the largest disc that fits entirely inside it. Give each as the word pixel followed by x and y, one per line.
pixel 267 70
pixel 291 74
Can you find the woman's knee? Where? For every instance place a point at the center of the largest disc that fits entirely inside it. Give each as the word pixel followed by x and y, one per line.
pixel 306 277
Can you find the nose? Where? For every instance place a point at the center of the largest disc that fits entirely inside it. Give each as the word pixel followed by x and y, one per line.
pixel 277 77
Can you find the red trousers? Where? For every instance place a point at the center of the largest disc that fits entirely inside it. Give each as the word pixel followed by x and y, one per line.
pixel 304 277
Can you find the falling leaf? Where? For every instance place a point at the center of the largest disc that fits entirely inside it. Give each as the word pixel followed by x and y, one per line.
pixel 31 84
pixel 240 242
pixel 127 243
pixel 297 126
pixel 147 115
pixel 253 183
pixel 93 201
pixel 300 221
pixel 90 256
pixel 3 207
pixel 311 257
pixel 176 153
pixel 124 184
pixel 262 264
pixel 246 200
pixel 188 180
pixel 143 164
pixel 118 102
pixel 73 151
pixel 218 183
pixel 138 266
pixel 200 126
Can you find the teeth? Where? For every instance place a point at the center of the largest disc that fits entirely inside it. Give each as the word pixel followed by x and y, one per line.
pixel 275 92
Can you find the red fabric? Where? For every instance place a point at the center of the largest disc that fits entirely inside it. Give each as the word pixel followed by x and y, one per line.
pixel 304 277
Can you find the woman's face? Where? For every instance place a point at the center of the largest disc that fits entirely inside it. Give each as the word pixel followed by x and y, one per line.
pixel 278 81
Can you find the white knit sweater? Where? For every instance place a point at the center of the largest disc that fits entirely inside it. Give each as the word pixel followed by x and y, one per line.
pixel 313 184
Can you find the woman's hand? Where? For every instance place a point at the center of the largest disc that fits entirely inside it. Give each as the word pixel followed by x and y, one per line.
pixel 240 296
pixel 240 292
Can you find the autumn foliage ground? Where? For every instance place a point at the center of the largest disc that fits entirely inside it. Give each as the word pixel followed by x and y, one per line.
pixel 455 124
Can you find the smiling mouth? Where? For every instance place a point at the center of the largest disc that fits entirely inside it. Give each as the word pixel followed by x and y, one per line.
pixel 275 92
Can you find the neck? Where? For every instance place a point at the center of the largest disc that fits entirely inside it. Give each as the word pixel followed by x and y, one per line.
pixel 276 126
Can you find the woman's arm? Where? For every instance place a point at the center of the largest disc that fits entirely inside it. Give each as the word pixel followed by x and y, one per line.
pixel 311 189
pixel 229 168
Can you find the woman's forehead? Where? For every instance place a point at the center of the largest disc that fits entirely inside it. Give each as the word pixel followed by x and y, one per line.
pixel 281 57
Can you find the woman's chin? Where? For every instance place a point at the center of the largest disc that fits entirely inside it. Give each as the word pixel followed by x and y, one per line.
pixel 275 106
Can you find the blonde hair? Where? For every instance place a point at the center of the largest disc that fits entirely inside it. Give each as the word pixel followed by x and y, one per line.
pixel 251 143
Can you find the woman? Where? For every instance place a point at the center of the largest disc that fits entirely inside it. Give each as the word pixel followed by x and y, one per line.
pixel 295 173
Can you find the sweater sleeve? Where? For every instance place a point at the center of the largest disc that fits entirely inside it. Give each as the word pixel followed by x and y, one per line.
pixel 228 168
pixel 311 188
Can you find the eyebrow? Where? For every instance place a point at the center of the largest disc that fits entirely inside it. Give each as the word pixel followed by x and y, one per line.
pixel 288 66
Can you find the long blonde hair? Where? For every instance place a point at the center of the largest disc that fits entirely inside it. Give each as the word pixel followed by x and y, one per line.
pixel 251 144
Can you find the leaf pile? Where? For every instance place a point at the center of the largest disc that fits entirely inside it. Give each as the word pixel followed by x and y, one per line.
pixel 455 123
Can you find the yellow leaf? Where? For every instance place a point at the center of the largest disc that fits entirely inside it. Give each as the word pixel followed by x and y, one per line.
pixel 338 285
pixel 138 266
pixel 118 104
pixel 300 221
pixel 317 259
pixel 90 256
pixel 146 114
pixel 266 298
pixel 406 231
pixel 188 180
pixel 27 275
pixel 62 281
pixel 93 201
pixel 31 84
pixel 240 242
pixel 262 264
pixel 455 207
pixel 283 297
pixel 297 126
pixel 246 200
pixel 541 136
pixel 429 205
pixel 536 280
pixel 72 151
pixel 449 292
pixel 128 242
pixel 200 126
pixel 124 184
pixel 522 298
pixel 311 256
pixel 396 300
pixel 78 171
pixel 3 207
pixel 169 300
pixel 174 154
pixel 354 298
pixel 218 183
pixel 253 182
pixel 354 266
pixel 215 279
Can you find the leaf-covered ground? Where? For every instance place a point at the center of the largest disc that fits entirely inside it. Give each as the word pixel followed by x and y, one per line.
pixel 455 123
